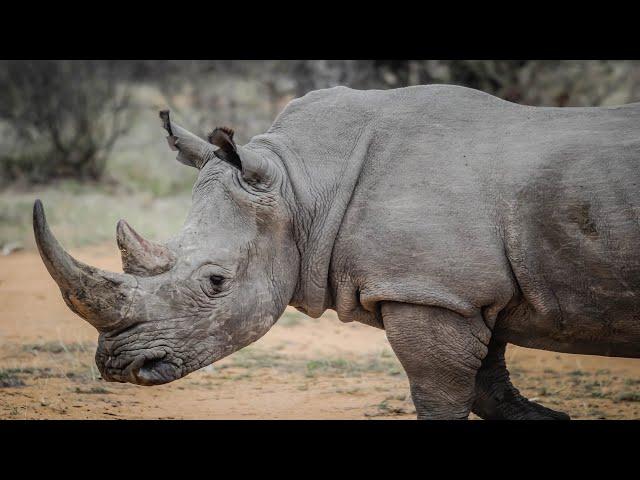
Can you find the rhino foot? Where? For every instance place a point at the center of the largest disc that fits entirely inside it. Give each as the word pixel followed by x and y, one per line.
pixel 509 404
pixel 529 410
pixel 497 399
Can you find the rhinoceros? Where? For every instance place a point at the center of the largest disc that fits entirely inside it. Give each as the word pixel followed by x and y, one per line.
pixel 454 220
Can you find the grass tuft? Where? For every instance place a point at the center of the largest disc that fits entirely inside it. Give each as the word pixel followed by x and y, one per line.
pixel 627 397
pixel 9 378
pixel 92 390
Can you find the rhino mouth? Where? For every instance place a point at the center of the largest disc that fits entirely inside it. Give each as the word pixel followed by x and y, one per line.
pixel 143 370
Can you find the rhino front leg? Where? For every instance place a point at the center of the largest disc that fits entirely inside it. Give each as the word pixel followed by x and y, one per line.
pixel 498 399
pixel 441 352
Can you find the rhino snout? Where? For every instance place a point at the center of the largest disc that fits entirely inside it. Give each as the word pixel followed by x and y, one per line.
pixel 144 369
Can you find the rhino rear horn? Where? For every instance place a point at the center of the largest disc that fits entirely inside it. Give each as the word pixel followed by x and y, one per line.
pixel 140 256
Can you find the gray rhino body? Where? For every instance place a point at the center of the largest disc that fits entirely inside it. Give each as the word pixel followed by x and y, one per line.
pixel 456 221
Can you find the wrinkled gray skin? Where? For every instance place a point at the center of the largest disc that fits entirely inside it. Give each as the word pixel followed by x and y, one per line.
pixel 456 221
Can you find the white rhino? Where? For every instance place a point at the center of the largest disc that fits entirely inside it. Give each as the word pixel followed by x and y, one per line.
pixel 455 221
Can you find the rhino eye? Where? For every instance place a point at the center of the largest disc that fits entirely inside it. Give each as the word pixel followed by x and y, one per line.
pixel 212 284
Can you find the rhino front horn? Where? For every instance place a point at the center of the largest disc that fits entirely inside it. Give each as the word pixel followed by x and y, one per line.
pixel 100 297
pixel 140 256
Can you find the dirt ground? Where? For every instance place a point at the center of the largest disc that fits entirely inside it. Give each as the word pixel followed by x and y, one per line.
pixel 302 369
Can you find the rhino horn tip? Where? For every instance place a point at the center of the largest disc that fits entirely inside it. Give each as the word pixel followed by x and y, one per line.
pixel 120 231
pixel 39 220
pixel 38 208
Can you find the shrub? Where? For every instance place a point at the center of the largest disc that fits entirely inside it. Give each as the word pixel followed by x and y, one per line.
pixel 65 117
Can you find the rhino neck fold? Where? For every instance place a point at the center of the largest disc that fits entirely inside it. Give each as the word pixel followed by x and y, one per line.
pixel 321 186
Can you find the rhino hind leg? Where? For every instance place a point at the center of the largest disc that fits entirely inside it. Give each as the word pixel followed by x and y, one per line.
pixel 497 399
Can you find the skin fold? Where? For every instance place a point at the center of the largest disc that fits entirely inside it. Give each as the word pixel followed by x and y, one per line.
pixel 456 221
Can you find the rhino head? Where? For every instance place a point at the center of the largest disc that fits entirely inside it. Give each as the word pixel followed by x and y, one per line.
pixel 217 286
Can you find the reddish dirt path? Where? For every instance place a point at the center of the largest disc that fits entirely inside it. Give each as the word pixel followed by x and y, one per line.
pixel 303 368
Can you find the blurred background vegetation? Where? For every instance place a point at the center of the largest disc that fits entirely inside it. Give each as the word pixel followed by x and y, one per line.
pixel 84 136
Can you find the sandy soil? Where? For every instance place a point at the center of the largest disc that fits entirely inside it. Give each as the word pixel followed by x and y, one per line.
pixel 303 368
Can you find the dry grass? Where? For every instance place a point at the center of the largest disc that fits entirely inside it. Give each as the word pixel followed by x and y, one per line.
pixel 32 369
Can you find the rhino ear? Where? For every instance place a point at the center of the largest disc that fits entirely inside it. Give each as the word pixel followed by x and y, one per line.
pixel 254 168
pixel 192 150
pixel 222 137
